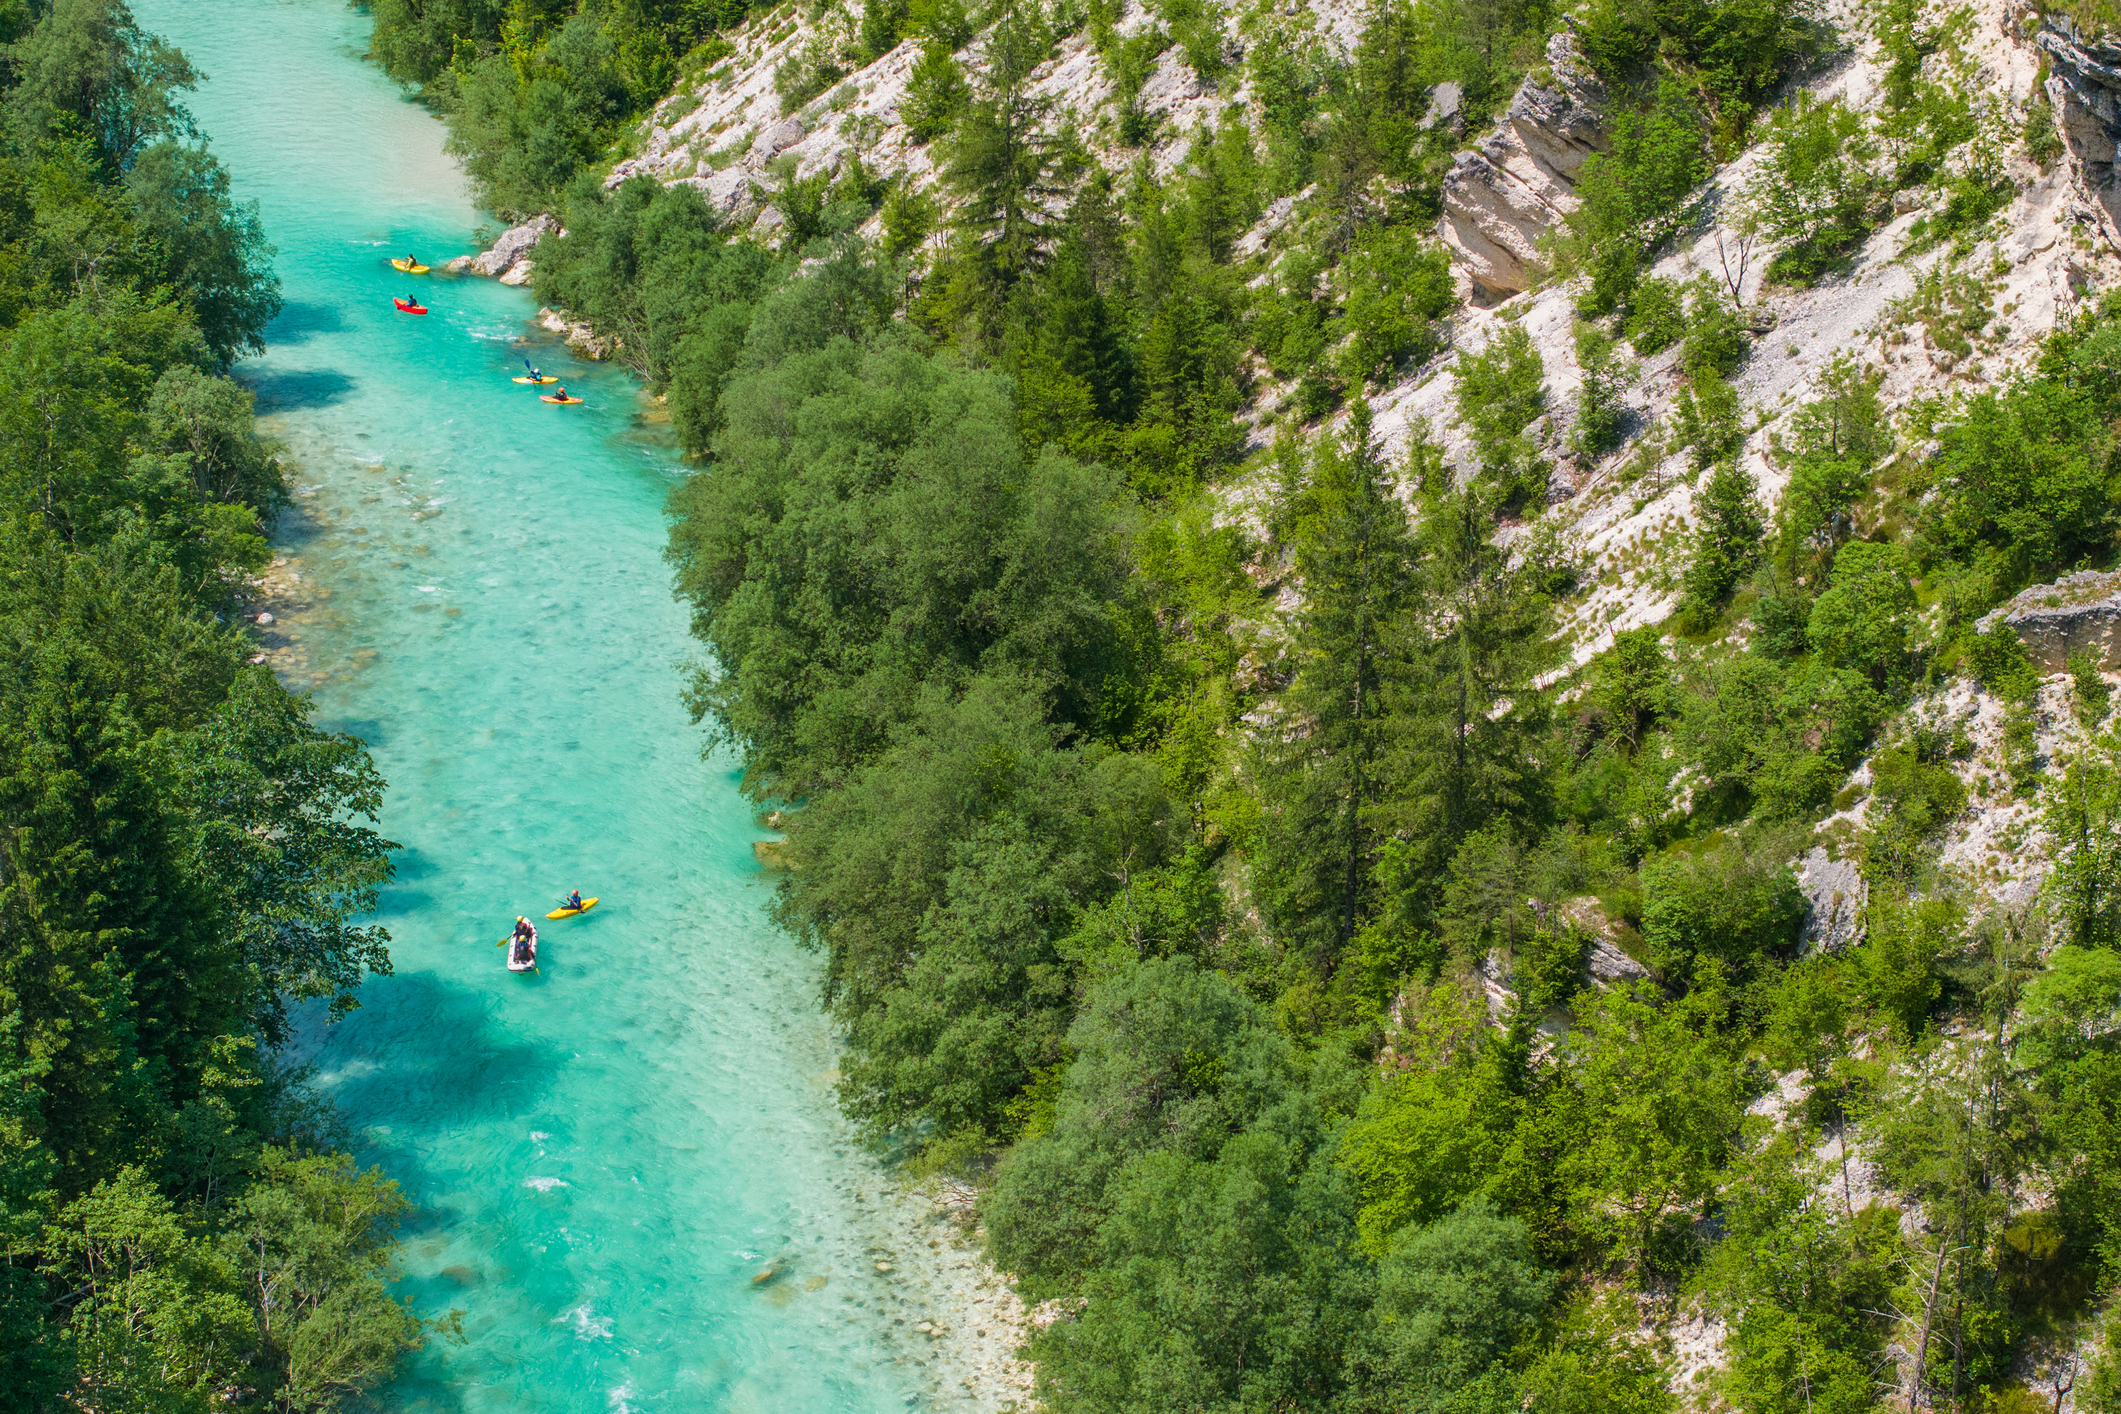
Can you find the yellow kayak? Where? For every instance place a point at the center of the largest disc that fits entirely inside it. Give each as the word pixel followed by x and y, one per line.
pixel 549 398
pixel 407 266
pixel 587 904
pixel 521 379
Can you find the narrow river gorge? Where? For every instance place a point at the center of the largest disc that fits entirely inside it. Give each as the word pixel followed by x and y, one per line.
pixel 630 1174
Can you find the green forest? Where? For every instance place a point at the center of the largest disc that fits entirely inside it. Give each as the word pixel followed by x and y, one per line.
pixel 1241 954
pixel 183 855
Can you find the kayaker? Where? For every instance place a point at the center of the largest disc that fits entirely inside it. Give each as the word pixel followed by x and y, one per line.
pixel 411 260
pixel 573 901
pixel 537 374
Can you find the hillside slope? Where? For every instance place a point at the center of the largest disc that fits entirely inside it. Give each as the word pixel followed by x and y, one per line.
pixel 1427 649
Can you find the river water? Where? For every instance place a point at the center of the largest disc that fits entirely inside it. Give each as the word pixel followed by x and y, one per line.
pixel 631 1179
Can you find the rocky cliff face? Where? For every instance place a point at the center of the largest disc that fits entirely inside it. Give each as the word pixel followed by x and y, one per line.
pixel 2080 614
pixel 727 134
pixel 1519 181
pixel 2084 85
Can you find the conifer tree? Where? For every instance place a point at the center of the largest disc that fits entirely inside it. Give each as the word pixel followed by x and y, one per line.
pixel 1357 561
pixel 1464 709
pixel 1727 540
pixel 1002 162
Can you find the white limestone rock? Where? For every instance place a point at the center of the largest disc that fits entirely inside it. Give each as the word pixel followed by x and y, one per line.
pixel 1834 895
pixel 1519 182
pixel 2080 613
pixel 512 248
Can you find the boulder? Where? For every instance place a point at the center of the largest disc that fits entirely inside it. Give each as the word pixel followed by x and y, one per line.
pixel 1604 959
pixel 778 138
pixel 1446 108
pixel 518 273
pixel 580 337
pixel 2079 613
pixel 1501 196
pixel 727 193
pixel 1834 895
pixel 514 245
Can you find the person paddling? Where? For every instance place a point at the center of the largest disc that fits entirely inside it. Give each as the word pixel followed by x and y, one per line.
pixel 526 938
pixel 573 901
pixel 537 375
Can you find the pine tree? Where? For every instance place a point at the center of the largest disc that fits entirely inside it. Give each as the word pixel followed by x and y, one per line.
pixel 1465 713
pixel 935 92
pixel 1356 559
pixel 1726 541
pixel 1002 162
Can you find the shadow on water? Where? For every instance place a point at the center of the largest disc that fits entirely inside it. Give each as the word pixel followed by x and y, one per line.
pixel 298 322
pixel 367 729
pixel 409 863
pixel 306 388
pixel 449 1058
pixel 454 1069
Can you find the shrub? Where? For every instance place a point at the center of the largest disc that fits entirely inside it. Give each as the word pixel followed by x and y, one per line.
pixel 1656 316
pixel 1864 618
pixel 1734 53
pixel 2088 690
pixel 1499 391
pixel 1722 904
pixel 1399 285
pixel 1814 189
pixel 1634 195
pixel 1726 540
pixel 1715 343
pixel 1453 1298
pixel 1706 418
pixel 1601 417
pixel 936 92
pixel 807 73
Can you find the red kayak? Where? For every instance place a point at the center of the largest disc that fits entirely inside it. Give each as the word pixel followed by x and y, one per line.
pixel 408 306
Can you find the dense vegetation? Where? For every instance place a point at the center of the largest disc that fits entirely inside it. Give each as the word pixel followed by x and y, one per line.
pixel 1246 951
pixel 537 89
pixel 182 854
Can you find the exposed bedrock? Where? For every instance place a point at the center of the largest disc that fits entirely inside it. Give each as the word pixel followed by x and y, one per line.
pixel 2078 613
pixel 2084 85
pixel 1519 182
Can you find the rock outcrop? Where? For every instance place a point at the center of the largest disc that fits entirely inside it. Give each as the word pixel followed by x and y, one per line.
pixel 579 336
pixel 2079 613
pixel 2084 87
pixel 1834 893
pixel 1603 959
pixel 1503 195
pixel 509 259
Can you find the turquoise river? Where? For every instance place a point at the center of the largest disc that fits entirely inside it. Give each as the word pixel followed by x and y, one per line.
pixel 630 1175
